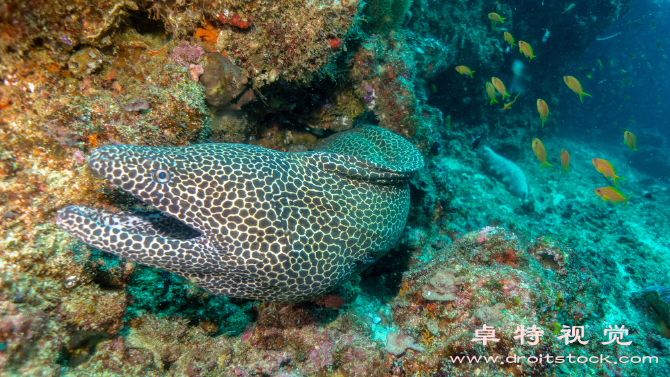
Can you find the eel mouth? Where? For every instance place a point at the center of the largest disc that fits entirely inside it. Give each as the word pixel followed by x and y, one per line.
pixel 100 228
pixel 91 226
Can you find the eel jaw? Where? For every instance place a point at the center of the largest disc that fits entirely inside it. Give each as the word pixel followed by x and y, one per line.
pixel 149 223
pixel 146 237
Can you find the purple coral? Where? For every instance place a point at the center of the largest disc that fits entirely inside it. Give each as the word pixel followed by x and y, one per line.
pixel 322 354
pixel 78 156
pixel 186 54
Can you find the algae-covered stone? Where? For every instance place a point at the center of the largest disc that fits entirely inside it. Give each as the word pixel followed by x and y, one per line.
pixel 223 82
pixel 86 61
pixel 443 286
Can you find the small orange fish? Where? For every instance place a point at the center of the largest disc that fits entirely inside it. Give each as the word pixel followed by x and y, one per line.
pixel 540 153
pixel 463 70
pixel 500 87
pixel 495 17
pixel 604 167
pixel 491 91
pixel 509 104
pixel 575 86
pixel 565 161
pixel 631 141
pixel 613 195
pixel 510 39
pixel 526 49
pixel 543 109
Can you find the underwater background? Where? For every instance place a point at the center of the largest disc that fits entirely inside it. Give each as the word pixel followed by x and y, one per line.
pixel 536 241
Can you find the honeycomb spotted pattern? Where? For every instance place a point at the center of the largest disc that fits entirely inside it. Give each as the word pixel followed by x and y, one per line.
pixel 249 222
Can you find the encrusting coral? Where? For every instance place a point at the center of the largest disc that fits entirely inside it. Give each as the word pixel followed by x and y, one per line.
pixel 398 343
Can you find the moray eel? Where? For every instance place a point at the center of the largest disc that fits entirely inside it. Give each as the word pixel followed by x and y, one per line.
pixel 250 222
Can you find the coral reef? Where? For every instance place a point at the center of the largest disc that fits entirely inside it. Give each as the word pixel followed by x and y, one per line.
pixel 385 73
pixel 285 75
pixel 491 280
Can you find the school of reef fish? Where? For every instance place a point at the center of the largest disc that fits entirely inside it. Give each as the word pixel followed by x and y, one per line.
pixel 496 246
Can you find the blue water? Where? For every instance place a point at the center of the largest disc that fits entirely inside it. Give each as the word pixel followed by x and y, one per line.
pixel 632 90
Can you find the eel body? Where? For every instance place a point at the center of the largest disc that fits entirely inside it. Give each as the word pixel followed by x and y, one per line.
pixel 250 222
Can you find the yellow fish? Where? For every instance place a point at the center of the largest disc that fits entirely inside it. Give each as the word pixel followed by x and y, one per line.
pixel 509 104
pixel 495 17
pixel 500 87
pixel 526 49
pixel 613 195
pixel 510 39
pixel 491 91
pixel 463 70
pixel 631 141
pixel 604 167
pixel 575 86
pixel 568 8
pixel 543 109
pixel 565 161
pixel 540 153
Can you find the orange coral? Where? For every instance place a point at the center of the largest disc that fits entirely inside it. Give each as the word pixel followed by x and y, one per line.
pixel 93 140
pixel 5 102
pixel 208 33
pixel 335 43
pixel 507 257
pixel 404 288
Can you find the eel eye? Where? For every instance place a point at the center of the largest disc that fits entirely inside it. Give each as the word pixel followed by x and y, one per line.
pixel 161 176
